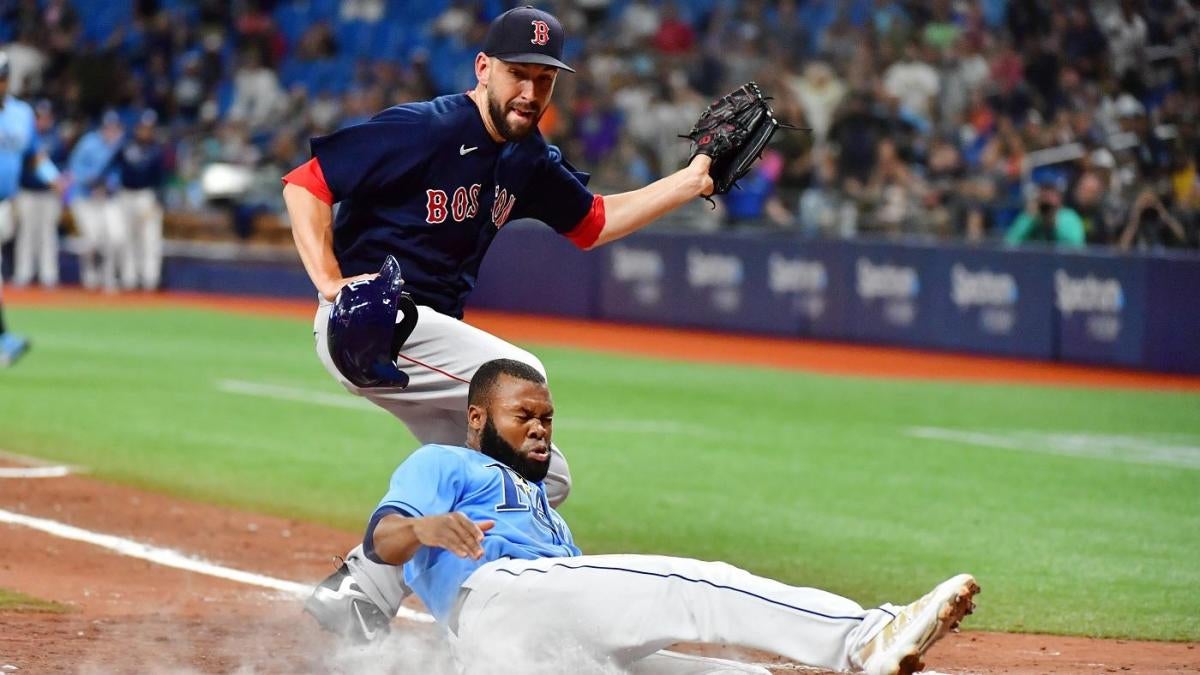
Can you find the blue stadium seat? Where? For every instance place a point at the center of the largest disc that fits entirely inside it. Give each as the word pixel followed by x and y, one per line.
pixel 292 22
pixel 291 72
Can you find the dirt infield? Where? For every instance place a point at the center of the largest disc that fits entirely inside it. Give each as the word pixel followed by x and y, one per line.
pixel 128 615
pixel 133 616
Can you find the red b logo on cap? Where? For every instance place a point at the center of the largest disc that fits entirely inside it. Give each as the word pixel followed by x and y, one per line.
pixel 541 33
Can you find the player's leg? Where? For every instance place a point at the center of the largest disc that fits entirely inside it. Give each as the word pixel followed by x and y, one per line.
pixel 28 238
pixel 11 346
pixel 49 213
pixel 151 238
pixel 619 609
pixel 108 248
pixel 121 225
pixel 84 214
pixel 673 663
pixel 440 357
pixel 136 223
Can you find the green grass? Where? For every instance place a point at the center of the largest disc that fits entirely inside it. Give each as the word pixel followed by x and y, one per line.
pixel 11 601
pixel 812 479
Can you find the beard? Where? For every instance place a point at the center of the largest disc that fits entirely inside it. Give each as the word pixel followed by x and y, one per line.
pixel 499 118
pixel 499 449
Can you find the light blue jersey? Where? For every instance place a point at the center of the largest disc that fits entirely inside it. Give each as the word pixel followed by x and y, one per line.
pixel 91 160
pixel 439 479
pixel 18 135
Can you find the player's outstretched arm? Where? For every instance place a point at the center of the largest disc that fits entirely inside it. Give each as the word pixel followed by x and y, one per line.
pixel 628 212
pixel 397 538
pixel 312 228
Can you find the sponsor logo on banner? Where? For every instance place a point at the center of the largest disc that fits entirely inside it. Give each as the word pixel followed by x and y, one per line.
pixel 1100 299
pixel 720 273
pixel 995 294
pixel 895 286
pixel 641 268
pixel 805 279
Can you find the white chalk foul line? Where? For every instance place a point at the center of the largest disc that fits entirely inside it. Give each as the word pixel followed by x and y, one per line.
pixel 168 558
pixel 34 471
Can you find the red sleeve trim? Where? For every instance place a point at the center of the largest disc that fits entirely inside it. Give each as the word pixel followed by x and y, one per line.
pixel 585 234
pixel 310 177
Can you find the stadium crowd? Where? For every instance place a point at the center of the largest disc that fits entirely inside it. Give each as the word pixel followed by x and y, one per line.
pixel 1071 122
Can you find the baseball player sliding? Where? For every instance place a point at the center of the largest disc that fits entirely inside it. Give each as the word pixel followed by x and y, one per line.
pixel 431 183
pixel 471 530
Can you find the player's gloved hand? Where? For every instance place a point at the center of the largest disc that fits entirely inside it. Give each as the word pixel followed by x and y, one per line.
pixel 330 289
pixel 733 131
pixel 454 532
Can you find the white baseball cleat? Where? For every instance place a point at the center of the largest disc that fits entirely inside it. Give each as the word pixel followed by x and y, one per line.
pixel 898 649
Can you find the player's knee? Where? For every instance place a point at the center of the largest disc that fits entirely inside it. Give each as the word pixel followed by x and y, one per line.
pixel 558 478
pixel 530 360
pixel 557 488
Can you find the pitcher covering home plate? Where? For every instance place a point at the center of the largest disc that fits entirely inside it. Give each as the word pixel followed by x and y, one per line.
pixel 430 184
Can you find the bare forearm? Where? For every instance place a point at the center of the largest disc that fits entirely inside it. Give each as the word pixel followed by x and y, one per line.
pixel 312 229
pixel 628 212
pixel 395 540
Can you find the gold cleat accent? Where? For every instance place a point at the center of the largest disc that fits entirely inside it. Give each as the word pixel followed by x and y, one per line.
pixel 900 646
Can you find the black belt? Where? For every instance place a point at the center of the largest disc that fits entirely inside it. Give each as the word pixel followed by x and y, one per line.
pixel 452 617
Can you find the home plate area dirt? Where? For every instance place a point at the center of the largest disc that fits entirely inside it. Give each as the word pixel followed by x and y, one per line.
pixel 129 615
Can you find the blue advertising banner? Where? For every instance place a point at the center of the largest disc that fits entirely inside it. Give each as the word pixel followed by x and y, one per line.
pixel 641 277
pixel 1100 301
pixel 725 285
pixel 893 296
pixel 996 302
pixel 238 278
pixel 531 268
pixel 812 279
pixel 1172 317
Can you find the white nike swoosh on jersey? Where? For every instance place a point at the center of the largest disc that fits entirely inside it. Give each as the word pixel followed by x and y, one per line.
pixel 462 149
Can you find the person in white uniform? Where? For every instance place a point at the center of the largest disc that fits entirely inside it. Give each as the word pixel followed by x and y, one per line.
pixel 140 167
pixel 472 532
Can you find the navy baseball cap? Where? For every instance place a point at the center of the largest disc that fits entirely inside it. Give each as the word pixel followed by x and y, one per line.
pixel 527 35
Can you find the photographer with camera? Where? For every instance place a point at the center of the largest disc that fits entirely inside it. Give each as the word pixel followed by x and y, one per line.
pixel 1047 220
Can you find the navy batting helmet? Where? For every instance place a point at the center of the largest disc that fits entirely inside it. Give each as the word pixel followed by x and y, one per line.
pixel 364 334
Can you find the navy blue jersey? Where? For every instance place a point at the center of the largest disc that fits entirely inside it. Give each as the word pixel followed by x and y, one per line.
pixel 426 183
pixel 140 165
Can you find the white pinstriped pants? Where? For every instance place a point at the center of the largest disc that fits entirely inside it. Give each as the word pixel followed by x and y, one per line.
pixel 36 249
pixel 612 611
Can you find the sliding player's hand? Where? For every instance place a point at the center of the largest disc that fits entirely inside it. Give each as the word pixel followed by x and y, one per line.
pixel 454 532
